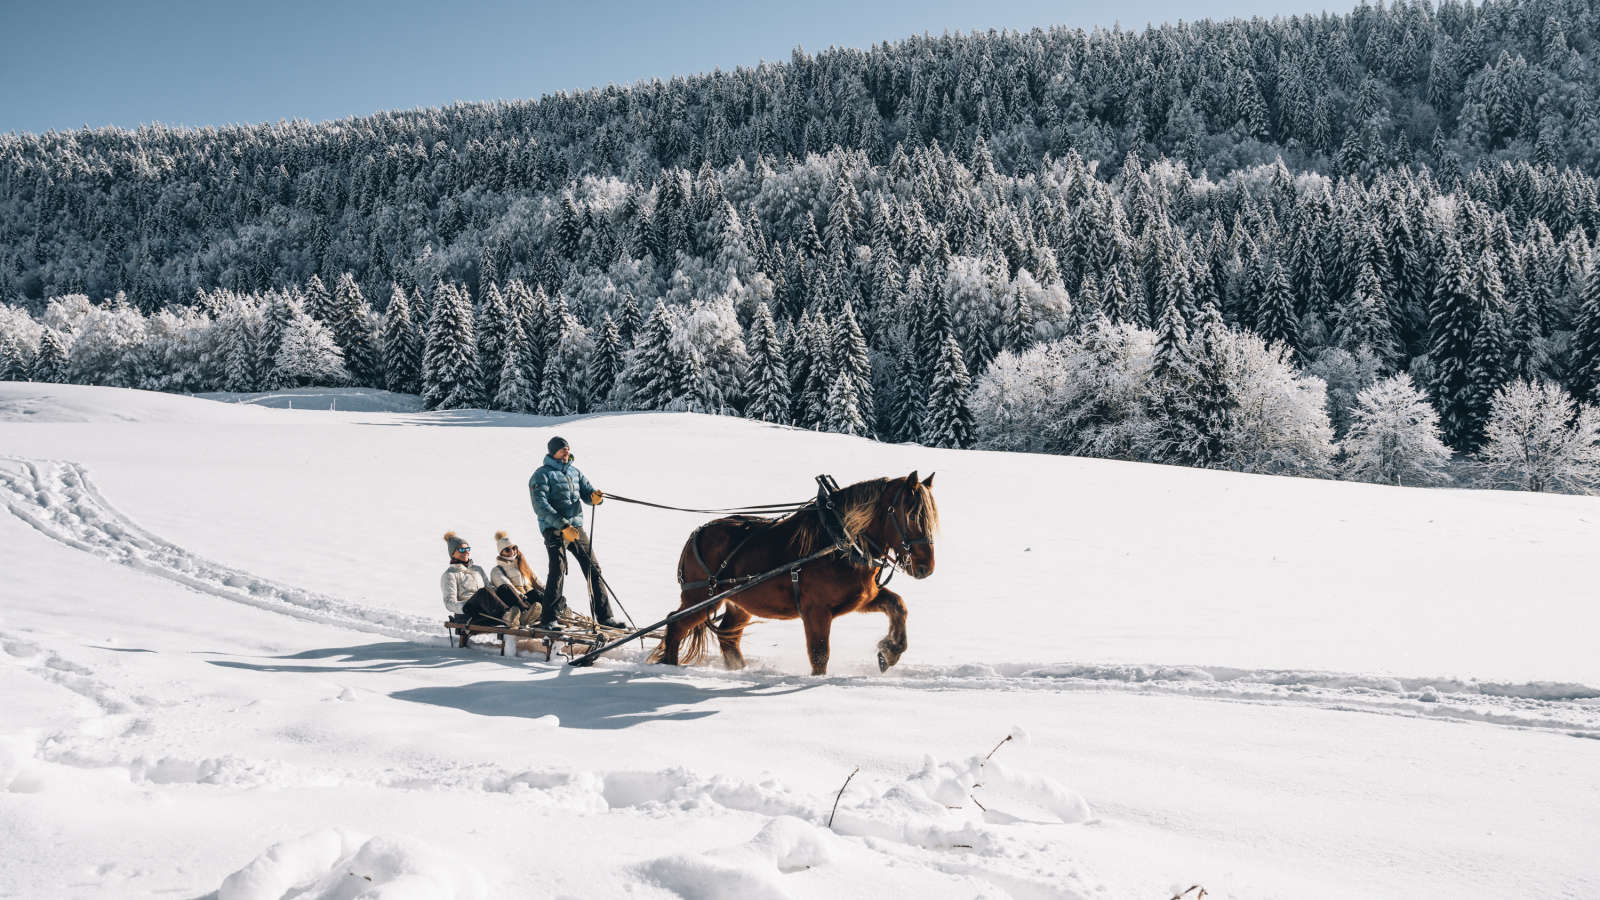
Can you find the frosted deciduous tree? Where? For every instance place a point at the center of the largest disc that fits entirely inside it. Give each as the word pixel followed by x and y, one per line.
pixel 1538 439
pixel 1237 403
pixel 308 355
pixel 1394 436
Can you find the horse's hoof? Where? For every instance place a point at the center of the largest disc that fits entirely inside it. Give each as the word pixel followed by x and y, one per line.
pixel 883 662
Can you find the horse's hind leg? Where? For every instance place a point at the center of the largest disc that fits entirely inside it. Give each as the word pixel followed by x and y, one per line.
pixel 678 631
pixel 894 643
pixel 730 629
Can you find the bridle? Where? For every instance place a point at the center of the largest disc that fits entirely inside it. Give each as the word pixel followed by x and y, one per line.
pixel 903 551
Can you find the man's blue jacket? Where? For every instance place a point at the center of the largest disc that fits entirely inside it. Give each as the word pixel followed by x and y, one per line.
pixel 558 491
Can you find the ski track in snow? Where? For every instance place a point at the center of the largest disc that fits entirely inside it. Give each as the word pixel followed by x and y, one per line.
pixel 58 499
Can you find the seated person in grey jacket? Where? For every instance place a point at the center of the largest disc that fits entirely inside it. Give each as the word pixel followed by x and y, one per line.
pixel 467 592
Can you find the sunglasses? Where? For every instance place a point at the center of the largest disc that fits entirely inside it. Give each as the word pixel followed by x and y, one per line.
pixel 463 549
pixel 509 550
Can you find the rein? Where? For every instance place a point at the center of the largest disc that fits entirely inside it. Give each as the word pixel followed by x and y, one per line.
pixel 767 507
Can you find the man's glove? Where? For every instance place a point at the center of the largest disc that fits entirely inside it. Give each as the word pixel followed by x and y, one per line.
pixel 596 498
pixel 569 534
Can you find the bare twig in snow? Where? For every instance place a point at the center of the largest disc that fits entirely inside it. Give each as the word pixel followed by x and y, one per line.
pixel 840 794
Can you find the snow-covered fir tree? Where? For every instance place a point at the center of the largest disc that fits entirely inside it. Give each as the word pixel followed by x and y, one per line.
pixel 554 398
pixel 1585 365
pixel 657 373
pixel 352 322
pixel 948 420
pixel 450 375
pixel 513 391
pixel 281 309
pixel 607 363
pixel 493 318
pixel 13 360
pixel 402 345
pixel 317 300
pixel 767 384
pixel 50 362
pixel 844 410
pixel 241 323
pixel 1172 334
pixel 850 363
pixel 1454 325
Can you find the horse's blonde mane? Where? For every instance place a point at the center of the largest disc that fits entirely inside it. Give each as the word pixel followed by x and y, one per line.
pixel 857 504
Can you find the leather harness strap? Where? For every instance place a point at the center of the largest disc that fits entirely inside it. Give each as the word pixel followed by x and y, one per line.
pixel 874 556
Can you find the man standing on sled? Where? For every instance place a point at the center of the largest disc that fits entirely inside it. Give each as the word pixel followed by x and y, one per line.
pixel 559 491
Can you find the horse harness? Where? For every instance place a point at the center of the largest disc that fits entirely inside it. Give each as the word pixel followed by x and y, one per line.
pixel 832 522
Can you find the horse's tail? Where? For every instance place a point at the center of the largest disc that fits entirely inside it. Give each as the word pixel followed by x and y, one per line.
pixel 693 649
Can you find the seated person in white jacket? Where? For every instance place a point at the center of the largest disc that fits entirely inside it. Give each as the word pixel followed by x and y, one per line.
pixel 512 573
pixel 467 592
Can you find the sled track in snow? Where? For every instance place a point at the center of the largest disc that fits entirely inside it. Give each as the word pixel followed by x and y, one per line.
pixel 58 500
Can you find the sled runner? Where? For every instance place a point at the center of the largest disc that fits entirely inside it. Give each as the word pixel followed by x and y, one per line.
pixel 580 635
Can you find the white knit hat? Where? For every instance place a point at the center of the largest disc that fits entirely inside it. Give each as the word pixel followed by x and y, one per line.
pixel 501 542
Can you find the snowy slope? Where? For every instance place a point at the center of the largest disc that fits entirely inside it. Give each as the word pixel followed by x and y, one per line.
pixel 217 635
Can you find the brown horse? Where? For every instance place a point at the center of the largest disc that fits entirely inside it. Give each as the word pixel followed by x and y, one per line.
pixel 883 516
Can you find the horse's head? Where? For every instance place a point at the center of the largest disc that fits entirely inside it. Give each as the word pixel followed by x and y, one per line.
pixel 908 521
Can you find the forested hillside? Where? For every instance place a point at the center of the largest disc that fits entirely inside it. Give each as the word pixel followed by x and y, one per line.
pixel 1200 243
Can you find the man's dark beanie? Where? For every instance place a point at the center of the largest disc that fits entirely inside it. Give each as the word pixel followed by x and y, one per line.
pixel 556 443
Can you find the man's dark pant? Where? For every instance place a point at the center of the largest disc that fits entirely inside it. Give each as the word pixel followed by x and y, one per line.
pixel 489 607
pixel 599 604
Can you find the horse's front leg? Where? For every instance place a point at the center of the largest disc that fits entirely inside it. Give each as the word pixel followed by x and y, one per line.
pixel 818 623
pixel 894 643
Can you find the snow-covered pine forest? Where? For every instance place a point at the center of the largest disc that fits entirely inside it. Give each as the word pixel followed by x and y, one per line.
pixel 1324 245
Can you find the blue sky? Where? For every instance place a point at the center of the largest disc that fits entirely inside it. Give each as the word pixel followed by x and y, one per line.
pixel 67 63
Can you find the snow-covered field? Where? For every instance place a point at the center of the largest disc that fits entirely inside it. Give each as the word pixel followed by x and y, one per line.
pixel 220 636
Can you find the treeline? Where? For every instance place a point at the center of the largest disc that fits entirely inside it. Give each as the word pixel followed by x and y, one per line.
pixel 847 240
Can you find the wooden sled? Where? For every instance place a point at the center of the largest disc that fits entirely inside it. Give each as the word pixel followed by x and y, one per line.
pixel 582 635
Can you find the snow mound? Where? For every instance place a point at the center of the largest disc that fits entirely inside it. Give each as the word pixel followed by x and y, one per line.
pixel 343 865
pixel 59 501
pixel 749 870
pixel 940 807
pixel 22 401
pixel 335 399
